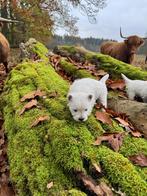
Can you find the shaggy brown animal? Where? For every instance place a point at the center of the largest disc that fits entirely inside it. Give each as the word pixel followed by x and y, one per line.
pixel 4 44
pixel 4 51
pixel 123 51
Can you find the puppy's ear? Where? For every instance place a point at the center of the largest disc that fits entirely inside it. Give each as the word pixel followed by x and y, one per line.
pixel 69 97
pixel 90 97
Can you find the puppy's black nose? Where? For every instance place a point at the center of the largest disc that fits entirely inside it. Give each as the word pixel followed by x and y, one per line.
pixel 81 119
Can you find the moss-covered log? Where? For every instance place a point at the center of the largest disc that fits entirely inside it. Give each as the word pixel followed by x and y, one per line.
pixel 53 150
pixel 113 66
pixel 136 111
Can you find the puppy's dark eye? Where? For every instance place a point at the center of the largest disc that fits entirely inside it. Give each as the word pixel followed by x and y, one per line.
pixel 86 110
pixel 75 110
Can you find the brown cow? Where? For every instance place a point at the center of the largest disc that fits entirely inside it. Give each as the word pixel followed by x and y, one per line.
pixel 4 51
pixel 4 45
pixel 123 51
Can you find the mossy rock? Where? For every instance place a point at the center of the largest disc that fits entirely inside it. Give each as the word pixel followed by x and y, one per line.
pixel 54 149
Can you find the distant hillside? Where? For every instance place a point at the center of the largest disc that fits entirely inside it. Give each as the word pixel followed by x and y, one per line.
pixel 89 43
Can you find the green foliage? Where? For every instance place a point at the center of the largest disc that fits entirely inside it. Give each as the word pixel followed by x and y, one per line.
pixel 40 18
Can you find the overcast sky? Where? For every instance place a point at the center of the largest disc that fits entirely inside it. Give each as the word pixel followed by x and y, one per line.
pixel 131 15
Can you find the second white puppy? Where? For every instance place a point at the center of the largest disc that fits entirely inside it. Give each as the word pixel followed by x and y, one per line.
pixel 83 94
pixel 136 88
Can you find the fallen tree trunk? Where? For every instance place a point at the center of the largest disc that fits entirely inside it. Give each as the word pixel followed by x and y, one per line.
pixel 52 151
pixel 113 66
pixel 137 111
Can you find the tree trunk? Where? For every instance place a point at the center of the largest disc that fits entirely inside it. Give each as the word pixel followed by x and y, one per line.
pixel 53 150
pixel 136 111
pixel 113 66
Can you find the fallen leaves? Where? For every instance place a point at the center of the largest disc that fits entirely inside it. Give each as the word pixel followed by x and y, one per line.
pixel 39 120
pixel 139 159
pixel 103 117
pixel 122 121
pixel 32 95
pixel 97 167
pixel 135 133
pixel 117 84
pixel 55 59
pixel 29 105
pixel 114 139
pixel 5 189
pixel 100 189
pixel 49 185
pixel 106 189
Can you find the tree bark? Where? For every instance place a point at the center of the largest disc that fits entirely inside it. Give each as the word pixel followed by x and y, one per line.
pixel 136 111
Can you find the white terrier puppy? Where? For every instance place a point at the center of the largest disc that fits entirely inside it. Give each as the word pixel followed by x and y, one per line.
pixel 83 94
pixel 136 88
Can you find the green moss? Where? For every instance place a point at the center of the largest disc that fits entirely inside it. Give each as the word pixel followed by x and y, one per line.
pixel 132 145
pixel 51 151
pixel 70 49
pixel 113 66
pixel 41 50
pixel 122 173
pixel 71 70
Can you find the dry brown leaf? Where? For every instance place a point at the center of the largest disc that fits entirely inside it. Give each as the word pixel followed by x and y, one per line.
pixel 123 122
pixel 89 184
pixel 39 120
pixel 55 59
pixel 49 185
pixel 106 189
pixel 118 192
pixel 135 133
pixel 29 105
pixel 97 167
pixel 2 142
pixel 32 95
pixel 39 93
pixel 118 84
pixel 112 112
pixel 28 96
pixel 139 159
pixel 100 139
pixel 103 117
pixel 114 139
pixel 123 95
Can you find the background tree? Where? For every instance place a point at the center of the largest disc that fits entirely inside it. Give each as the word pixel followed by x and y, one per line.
pixel 40 18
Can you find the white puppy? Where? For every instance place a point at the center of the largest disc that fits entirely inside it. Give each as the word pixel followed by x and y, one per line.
pixel 136 88
pixel 83 94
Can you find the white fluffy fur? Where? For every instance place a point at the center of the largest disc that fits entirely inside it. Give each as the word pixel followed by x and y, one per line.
pixel 83 94
pixel 136 88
